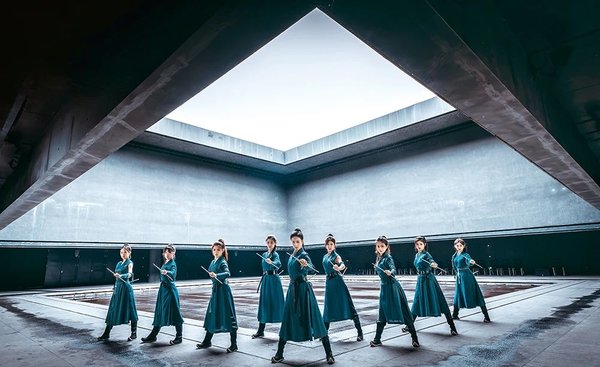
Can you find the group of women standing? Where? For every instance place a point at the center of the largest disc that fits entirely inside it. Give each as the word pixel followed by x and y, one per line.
pixel 299 313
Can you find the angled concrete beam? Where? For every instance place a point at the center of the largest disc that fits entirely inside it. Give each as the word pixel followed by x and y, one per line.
pixel 101 113
pixel 465 53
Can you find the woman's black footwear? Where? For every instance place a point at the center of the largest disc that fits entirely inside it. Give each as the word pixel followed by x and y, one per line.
pixel 453 332
pixel 257 335
pixel 375 343
pixel 405 329
pixel 177 340
pixel 487 321
pixel 132 336
pixel 203 345
pixel 232 348
pixel 330 360
pixel 415 343
pixel 276 359
pixel 359 338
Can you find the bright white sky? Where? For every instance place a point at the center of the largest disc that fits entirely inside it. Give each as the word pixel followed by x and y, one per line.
pixel 313 80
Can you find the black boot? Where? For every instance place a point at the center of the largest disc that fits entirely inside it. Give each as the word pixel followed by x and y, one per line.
pixel 376 342
pixel 486 316
pixel 133 331
pixel 178 335
pixel 413 335
pixel 451 323
pixel 359 336
pixel 278 357
pixel 260 332
pixel 405 328
pixel 206 342
pixel 328 352
pixel 106 334
pixel 455 313
pixel 233 336
pixel 152 336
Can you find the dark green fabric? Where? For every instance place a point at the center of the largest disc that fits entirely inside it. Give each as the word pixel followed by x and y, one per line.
pixel 429 299
pixel 393 306
pixel 121 308
pixel 467 293
pixel 168 310
pixel 220 314
pixel 270 305
pixel 302 318
pixel 338 303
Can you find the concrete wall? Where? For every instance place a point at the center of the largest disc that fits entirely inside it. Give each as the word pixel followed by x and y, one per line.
pixel 463 181
pixel 460 182
pixel 141 196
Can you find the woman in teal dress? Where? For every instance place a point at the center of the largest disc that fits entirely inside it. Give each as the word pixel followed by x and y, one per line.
pixel 393 306
pixel 121 309
pixel 167 311
pixel 302 318
pixel 429 299
pixel 270 305
pixel 338 302
pixel 467 293
pixel 220 314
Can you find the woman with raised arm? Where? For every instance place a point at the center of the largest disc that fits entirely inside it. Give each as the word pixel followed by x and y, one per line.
pixel 168 310
pixel 429 299
pixel 121 309
pixel 393 306
pixel 338 303
pixel 220 314
pixel 270 305
pixel 302 318
pixel 467 293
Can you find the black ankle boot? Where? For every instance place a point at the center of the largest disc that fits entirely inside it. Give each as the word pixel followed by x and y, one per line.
pixel 133 331
pixel 278 357
pixel 106 334
pixel 486 316
pixel 376 342
pixel 178 335
pixel 413 335
pixel 233 347
pixel 359 336
pixel 260 332
pixel 455 313
pixel 450 322
pixel 152 336
pixel 327 347
pixel 206 343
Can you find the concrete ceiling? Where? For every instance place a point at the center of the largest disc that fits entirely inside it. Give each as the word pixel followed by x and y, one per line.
pixel 80 80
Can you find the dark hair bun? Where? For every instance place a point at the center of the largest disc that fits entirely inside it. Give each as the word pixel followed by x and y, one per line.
pixel 220 240
pixel 297 229
pixel 329 235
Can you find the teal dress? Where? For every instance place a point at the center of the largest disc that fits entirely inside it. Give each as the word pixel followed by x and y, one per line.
pixel 122 308
pixel 302 318
pixel 393 306
pixel 167 311
pixel 270 305
pixel 338 302
pixel 429 299
pixel 220 314
pixel 467 293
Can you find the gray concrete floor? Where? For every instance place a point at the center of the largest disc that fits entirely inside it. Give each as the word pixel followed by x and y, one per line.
pixel 554 323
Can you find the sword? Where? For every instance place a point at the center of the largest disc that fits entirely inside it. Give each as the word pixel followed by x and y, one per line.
pixel 262 257
pixel 307 263
pixel 434 268
pixel 474 263
pixel 337 271
pixel 159 269
pixel 215 278
pixel 115 275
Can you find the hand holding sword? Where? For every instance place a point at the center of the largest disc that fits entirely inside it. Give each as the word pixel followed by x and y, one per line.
pixel 303 264
pixel 269 261
pixel 387 272
pixel 211 274
pixel 163 272
pixel 435 267
pixel 474 263
pixel 336 270
pixel 116 275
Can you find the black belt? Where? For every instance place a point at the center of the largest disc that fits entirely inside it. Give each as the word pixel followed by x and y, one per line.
pixel 298 280
pixel 332 275
pixel 269 272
